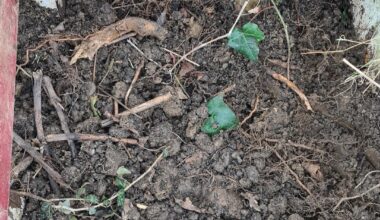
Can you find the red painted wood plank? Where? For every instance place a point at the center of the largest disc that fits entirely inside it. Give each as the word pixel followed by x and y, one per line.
pixel 8 42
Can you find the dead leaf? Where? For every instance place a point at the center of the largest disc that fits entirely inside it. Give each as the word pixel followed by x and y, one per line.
pixel 314 170
pixel 195 28
pixel 252 201
pixel 115 32
pixel 251 4
pixel 188 205
pixel 186 68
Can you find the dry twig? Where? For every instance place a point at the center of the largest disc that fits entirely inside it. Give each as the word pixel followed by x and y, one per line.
pixel 254 109
pixel 293 87
pixel 39 158
pixel 88 137
pixel 365 177
pixel 37 76
pixel 134 80
pixel 293 173
pixel 54 99
pixel 356 196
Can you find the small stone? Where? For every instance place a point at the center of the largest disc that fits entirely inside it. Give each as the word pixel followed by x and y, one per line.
pixel 235 155
pixel 252 174
pixel 245 182
pixel 295 217
pixel 222 162
pixel 119 90
pixel 278 205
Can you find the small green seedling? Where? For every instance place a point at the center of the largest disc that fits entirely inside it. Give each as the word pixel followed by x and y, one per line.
pixel 246 40
pixel 221 117
pixel 121 183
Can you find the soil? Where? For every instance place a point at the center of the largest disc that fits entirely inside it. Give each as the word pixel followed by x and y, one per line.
pixel 232 175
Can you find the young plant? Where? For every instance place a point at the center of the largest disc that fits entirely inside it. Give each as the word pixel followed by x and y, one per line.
pixel 221 117
pixel 246 40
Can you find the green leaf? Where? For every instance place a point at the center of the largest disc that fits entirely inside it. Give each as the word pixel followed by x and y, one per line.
pixel 221 117
pixel 106 203
pixel 80 192
pixel 46 211
pixel 65 207
pixel 252 30
pixel 121 171
pixel 120 183
pixel 246 41
pixel 93 101
pixel 120 198
pixel 92 211
pixel 92 199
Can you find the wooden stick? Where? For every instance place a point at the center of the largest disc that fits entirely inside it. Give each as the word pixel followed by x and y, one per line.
pixel 54 99
pixel 37 76
pixel 134 80
pixel 21 166
pixel 293 87
pixel 88 137
pixel 147 105
pixel 39 158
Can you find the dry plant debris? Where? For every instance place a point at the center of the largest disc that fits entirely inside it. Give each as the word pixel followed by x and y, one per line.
pixel 114 33
pixel 293 86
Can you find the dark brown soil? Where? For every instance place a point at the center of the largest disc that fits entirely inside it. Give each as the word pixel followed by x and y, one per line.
pixel 224 175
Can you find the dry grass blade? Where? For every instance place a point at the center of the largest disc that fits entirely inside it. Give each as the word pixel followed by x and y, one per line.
pixel 361 73
pixel 88 137
pixel 137 75
pixel 113 32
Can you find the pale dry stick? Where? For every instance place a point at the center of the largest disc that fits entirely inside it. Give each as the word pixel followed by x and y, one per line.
pixel 293 87
pixel 361 73
pixel 252 112
pixel 286 36
pixel 334 51
pixel 291 143
pixel 365 177
pixel 88 137
pixel 147 105
pixel 134 80
pixel 356 196
pixel 94 68
pixel 293 173
pixel 39 158
pixel 188 60
pixel 142 53
pixel 55 101
pixel 115 195
pixel 21 166
pixel 211 41
pixel 139 108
